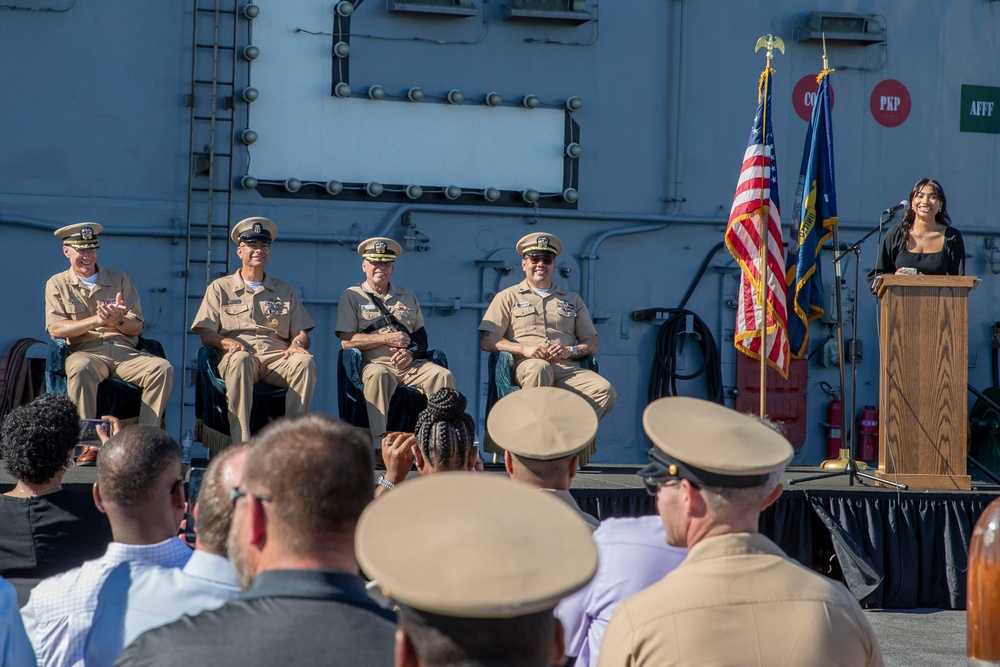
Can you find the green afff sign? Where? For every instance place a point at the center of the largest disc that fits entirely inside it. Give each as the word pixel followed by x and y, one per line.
pixel 980 109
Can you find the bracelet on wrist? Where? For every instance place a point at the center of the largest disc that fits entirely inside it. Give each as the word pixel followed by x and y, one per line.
pixel 382 481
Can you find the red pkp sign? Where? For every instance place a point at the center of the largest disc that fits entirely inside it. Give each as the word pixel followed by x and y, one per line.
pixel 890 103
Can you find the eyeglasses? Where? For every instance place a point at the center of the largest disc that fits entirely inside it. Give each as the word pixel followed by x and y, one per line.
pixel 235 494
pixel 260 245
pixel 544 259
pixel 653 484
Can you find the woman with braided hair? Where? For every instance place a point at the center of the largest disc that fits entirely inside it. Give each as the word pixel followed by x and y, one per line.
pixel 443 441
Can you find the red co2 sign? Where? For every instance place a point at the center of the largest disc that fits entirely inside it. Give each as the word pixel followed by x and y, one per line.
pixel 804 96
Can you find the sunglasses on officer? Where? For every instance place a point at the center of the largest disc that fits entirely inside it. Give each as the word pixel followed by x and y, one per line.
pixel 544 259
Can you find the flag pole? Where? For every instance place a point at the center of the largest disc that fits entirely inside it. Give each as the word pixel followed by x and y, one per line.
pixel 769 43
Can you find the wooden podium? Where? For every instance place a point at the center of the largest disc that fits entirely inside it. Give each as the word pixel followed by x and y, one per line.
pixel 923 380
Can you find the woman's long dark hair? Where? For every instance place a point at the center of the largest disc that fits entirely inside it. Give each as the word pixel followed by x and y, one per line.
pixel 942 217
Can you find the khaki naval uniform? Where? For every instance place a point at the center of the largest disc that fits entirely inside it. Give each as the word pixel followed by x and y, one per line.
pixel 355 313
pixel 521 315
pixel 265 322
pixel 738 600
pixel 105 351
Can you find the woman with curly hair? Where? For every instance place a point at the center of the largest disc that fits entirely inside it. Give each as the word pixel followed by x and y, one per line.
pixel 46 529
pixel 444 440
pixel 924 241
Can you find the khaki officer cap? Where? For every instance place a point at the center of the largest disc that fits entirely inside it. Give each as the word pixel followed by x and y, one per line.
pixel 254 229
pixel 539 243
pixel 82 235
pixel 708 443
pixel 542 423
pixel 468 545
pixel 380 249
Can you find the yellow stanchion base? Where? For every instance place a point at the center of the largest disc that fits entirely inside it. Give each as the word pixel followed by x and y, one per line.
pixel 841 463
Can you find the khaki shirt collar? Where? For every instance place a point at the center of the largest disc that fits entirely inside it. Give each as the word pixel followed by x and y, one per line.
pixel 368 289
pixel 523 287
pixel 733 544
pixel 237 284
pixel 103 280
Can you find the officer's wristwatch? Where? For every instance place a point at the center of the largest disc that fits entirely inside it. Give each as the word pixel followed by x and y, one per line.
pixel 573 352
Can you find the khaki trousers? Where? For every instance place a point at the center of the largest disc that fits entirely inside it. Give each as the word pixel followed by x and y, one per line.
pixel 568 375
pixel 241 370
pixel 381 380
pixel 87 368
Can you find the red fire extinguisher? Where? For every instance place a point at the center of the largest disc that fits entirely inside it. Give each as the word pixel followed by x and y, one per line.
pixel 833 425
pixel 868 434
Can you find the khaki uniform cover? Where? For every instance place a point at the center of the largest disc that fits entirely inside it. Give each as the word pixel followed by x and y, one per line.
pixel 106 352
pixel 521 315
pixel 738 600
pixel 380 376
pixel 265 322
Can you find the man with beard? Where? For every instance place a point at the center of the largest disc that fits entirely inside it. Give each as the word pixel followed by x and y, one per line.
pixel 137 597
pixel 97 310
pixel 385 322
pixel 546 328
pixel 308 478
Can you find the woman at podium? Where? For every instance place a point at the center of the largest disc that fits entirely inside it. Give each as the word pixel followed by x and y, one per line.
pixel 924 241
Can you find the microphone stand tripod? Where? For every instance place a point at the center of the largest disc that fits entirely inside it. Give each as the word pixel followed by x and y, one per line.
pixel 846 464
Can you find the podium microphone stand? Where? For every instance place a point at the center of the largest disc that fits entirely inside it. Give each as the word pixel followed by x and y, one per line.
pixel 846 464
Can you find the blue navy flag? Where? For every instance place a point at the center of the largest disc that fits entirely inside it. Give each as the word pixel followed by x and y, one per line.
pixel 813 219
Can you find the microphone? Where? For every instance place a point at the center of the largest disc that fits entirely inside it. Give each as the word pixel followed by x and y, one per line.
pixel 896 209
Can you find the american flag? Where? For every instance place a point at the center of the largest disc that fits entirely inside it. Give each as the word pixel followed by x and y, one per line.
pixel 757 197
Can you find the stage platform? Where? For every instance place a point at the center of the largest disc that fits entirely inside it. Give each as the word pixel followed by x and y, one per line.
pixel 893 549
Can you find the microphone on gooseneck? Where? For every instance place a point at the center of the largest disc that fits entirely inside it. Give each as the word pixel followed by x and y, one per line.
pixel 896 209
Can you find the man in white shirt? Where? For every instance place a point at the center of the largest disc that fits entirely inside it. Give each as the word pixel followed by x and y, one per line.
pixel 140 487
pixel 138 596
pixel 632 554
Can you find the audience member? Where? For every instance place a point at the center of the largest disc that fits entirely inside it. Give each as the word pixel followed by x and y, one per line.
pixel 137 596
pixel 713 470
pixel 307 480
pixel 632 554
pixel 139 487
pixel 15 649
pixel 541 430
pixel 444 441
pixel 429 544
pixel 46 529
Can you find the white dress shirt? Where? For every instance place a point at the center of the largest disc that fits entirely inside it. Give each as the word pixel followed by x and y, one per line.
pixel 60 610
pixel 137 597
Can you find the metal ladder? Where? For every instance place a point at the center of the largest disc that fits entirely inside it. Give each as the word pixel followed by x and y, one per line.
pixel 212 102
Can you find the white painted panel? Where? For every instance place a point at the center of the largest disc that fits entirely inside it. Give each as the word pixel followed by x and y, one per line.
pixel 306 133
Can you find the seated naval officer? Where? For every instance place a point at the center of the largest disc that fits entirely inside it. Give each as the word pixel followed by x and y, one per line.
pixel 428 545
pixel 385 322
pixel 262 326
pixel 546 328
pixel 97 310
pixel 713 471
pixel 541 430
